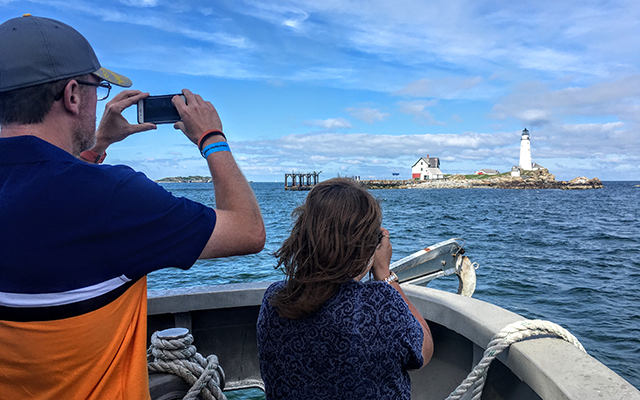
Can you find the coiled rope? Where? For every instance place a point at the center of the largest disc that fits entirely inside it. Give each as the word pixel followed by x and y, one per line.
pixel 172 352
pixel 510 334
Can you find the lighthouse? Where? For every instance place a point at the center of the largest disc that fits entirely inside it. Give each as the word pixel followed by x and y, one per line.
pixel 525 151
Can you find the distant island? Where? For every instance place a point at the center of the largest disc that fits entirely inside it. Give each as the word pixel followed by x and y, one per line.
pixel 186 179
pixel 538 179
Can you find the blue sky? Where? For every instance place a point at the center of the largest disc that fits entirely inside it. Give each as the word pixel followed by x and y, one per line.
pixel 366 88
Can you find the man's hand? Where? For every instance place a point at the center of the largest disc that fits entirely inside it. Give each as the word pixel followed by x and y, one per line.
pixel 198 115
pixel 113 126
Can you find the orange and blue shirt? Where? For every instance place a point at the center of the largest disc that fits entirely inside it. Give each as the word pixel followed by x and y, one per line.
pixel 76 243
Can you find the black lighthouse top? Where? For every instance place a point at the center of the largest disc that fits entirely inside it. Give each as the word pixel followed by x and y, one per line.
pixel 525 132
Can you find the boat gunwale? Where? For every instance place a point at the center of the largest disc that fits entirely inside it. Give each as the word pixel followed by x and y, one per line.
pixel 553 368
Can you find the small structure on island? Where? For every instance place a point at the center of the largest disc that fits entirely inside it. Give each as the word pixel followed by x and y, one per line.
pixel 515 171
pixel 487 171
pixel 301 181
pixel 536 166
pixel 426 168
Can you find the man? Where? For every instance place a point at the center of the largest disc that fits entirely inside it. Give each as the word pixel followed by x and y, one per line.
pixel 77 239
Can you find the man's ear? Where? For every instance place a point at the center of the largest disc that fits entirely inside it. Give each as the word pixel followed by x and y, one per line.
pixel 72 97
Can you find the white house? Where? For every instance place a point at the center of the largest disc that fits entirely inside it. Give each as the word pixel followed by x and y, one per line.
pixel 426 168
pixel 536 166
pixel 487 171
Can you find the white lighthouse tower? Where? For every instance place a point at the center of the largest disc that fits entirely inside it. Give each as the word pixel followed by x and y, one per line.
pixel 525 151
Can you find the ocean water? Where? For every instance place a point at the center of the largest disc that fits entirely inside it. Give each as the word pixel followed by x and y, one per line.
pixel 571 257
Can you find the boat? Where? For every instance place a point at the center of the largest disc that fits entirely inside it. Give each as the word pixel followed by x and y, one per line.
pixel 222 320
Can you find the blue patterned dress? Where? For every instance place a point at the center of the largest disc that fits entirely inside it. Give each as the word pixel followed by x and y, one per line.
pixel 359 345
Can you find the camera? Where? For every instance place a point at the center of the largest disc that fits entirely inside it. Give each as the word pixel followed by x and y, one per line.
pixel 158 109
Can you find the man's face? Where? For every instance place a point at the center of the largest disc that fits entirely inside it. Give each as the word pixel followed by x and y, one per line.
pixel 84 135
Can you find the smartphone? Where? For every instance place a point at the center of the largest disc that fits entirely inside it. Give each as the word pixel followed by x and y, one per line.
pixel 158 109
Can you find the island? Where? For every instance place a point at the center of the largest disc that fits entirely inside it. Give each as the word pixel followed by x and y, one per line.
pixel 538 179
pixel 186 179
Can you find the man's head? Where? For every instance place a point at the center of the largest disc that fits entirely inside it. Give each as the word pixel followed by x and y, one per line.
pixel 38 57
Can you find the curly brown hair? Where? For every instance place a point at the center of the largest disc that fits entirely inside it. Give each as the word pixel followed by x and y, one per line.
pixel 334 237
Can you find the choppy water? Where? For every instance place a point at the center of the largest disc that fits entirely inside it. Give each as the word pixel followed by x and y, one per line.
pixel 571 257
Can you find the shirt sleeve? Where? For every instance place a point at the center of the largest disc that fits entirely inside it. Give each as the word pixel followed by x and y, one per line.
pixel 149 229
pixel 407 330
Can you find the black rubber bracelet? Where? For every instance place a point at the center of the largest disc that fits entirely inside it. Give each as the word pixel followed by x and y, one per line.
pixel 207 135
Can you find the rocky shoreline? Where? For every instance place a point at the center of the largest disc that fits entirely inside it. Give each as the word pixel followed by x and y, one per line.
pixel 186 179
pixel 540 179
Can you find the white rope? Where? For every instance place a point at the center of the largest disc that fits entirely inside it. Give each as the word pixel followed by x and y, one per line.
pixel 179 357
pixel 502 340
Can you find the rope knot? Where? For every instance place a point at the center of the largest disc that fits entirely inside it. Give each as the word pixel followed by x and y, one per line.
pixel 172 351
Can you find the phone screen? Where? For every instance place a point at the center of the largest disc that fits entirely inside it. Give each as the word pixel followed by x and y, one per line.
pixel 158 110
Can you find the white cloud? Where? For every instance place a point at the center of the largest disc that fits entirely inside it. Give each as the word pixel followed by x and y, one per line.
pixel 377 146
pixel 447 87
pixel 159 19
pixel 368 115
pixel 534 117
pixel 201 63
pixel 275 83
pixel 330 123
pixel 534 103
pixel 418 109
pixel 295 21
pixel 140 3
pixel 567 150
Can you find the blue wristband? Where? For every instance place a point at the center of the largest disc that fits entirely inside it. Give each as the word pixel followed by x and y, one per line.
pixel 215 147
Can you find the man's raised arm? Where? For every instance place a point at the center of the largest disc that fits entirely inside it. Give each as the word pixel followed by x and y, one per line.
pixel 239 226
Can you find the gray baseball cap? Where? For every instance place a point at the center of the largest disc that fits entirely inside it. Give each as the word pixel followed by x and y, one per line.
pixel 35 50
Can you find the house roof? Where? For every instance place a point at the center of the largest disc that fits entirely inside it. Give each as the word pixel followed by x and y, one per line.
pixel 434 171
pixel 425 160
pixel 488 171
pixel 419 159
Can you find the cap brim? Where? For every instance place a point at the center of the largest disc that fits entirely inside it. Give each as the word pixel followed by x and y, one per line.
pixel 112 77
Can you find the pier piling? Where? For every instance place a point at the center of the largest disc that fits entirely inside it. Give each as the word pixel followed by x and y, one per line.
pixel 301 181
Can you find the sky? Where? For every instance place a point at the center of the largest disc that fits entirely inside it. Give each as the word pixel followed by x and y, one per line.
pixel 366 88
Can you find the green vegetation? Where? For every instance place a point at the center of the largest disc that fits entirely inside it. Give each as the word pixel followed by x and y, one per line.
pixel 474 176
pixel 478 177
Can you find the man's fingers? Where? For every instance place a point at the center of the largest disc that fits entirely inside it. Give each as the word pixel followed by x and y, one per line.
pixel 191 98
pixel 146 126
pixel 179 125
pixel 127 98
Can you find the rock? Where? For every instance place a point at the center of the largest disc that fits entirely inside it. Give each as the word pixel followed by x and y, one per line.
pixel 541 175
pixel 581 180
pixel 595 181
